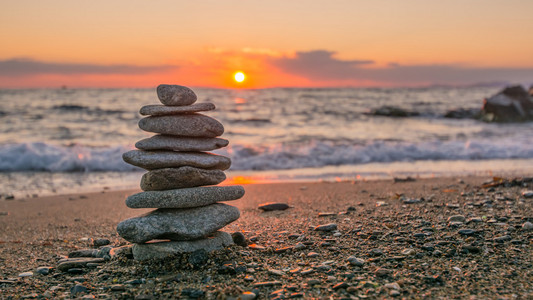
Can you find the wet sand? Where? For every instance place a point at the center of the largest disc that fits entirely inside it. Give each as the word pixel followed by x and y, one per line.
pixel 392 240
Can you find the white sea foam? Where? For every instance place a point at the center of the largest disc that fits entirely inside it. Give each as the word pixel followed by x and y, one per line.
pixel 53 158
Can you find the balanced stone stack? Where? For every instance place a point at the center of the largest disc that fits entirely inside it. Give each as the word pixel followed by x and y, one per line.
pixel 180 179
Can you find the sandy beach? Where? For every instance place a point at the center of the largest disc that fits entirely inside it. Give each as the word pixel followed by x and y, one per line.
pixel 393 239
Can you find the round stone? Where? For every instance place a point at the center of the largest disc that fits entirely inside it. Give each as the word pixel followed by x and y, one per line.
pixel 175 95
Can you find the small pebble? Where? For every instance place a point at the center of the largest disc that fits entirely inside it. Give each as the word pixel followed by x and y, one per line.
pixel 26 274
pixel 326 227
pixel 354 261
pixel 43 270
pixel 527 226
pixel 239 239
pixel 457 218
pixel 101 242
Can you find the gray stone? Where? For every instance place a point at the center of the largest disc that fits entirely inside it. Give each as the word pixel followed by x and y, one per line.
pixel 177 224
pixel 161 250
pixel 185 198
pixel 175 95
pixel 26 274
pixel 66 264
pixel 83 253
pixel 355 261
pixel 457 218
pixel 177 178
pixel 326 227
pixel 43 270
pixel 192 125
pixel 176 143
pixel 162 110
pixel 527 226
pixel 150 160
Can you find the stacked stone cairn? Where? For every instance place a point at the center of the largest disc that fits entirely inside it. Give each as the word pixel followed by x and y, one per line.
pixel 181 180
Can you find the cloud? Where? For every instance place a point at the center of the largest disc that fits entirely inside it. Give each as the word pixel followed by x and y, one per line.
pixel 28 67
pixel 320 65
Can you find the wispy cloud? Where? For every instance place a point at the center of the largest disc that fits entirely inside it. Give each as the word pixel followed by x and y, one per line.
pixel 321 65
pixel 28 67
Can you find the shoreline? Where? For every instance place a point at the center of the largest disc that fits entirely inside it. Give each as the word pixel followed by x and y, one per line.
pixel 375 224
pixel 42 184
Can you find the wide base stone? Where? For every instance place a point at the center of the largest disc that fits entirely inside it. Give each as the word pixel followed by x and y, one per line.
pixel 161 250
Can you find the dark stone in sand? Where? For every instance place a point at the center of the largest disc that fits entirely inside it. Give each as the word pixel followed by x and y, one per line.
pixel 177 224
pixel 326 227
pixel 191 125
pixel 273 206
pixel 77 289
pixel 239 239
pixel 177 143
pixel 186 197
pixel 83 253
pixel 198 258
pixel 175 95
pixel 161 250
pixel 177 178
pixel 43 270
pixel 151 160
pixel 467 231
pixel 101 242
pixel 162 110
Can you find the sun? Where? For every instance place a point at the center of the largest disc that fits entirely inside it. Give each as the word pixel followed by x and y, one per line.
pixel 239 76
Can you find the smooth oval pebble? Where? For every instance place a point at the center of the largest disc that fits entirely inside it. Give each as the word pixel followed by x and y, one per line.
pixel 177 224
pixel 186 197
pixel 151 160
pixel 163 110
pixel 177 143
pixel 175 95
pixel 177 178
pixel 192 125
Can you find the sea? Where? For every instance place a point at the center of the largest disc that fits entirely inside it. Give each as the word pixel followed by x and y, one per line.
pixel 57 141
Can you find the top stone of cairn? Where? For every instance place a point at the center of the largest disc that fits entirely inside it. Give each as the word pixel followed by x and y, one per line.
pixel 175 95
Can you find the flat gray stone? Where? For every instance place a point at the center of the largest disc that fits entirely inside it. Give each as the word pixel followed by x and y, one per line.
pixel 80 262
pixel 176 143
pixel 150 160
pixel 185 198
pixel 178 224
pixel 161 250
pixel 175 95
pixel 162 110
pixel 191 125
pixel 182 177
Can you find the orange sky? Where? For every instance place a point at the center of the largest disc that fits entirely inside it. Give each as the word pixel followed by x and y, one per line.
pixel 276 43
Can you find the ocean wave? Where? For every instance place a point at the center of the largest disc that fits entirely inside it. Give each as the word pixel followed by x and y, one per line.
pixel 320 154
pixel 77 158
pixel 53 158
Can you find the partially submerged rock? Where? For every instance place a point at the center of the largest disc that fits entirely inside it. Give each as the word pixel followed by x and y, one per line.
pixel 512 104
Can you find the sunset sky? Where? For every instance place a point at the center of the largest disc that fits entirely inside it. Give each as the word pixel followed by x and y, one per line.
pixel 275 43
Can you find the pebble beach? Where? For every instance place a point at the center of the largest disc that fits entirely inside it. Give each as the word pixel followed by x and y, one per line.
pixel 449 237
